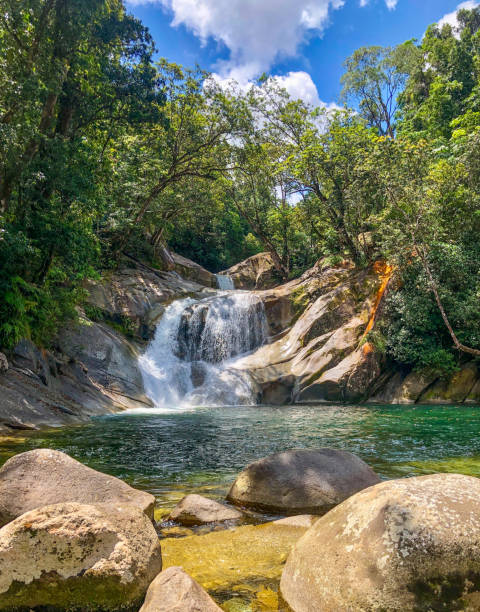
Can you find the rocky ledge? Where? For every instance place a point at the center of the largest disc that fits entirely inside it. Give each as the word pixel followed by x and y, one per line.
pixel 92 368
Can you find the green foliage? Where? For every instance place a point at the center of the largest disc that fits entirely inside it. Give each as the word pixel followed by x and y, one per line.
pixel 103 152
pixel 415 330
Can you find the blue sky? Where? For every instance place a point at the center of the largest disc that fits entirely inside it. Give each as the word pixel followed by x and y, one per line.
pixel 303 42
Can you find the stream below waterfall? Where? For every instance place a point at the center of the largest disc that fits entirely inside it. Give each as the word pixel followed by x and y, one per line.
pixel 191 360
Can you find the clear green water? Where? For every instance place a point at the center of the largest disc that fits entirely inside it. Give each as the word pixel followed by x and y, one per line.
pixel 202 450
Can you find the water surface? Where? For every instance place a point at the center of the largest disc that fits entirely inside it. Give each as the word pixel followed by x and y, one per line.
pixel 202 450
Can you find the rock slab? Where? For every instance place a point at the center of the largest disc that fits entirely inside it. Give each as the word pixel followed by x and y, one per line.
pixel 77 556
pixel 411 544
pixel 174 591
pixel 301 481
pixel 43 477
pixel 197 510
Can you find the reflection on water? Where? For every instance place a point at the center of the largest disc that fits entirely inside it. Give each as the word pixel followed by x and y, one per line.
pixel 203 449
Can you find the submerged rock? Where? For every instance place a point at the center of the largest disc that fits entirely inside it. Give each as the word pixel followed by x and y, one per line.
pixel 411 544
pixel 174 591
pixel 221 561
pixel 198 510
pixel 299 481
pixel 75 556
pixel 42 477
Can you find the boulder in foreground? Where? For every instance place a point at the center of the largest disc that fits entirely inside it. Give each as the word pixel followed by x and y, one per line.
pixel 301 481
pixel 43 477
pixel 78 557
pixel 174 591
pixel 411 544
pixel 198 510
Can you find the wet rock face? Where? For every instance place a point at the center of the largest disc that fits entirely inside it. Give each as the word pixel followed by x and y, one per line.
pixel 198 510
pixel 3 364
pixel 42 477
pixel 300 481
pixel 75 556
pixel 174 591
pixel 411 544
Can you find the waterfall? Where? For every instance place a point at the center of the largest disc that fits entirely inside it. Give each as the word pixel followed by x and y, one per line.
pixel 225 282
pixel 191 361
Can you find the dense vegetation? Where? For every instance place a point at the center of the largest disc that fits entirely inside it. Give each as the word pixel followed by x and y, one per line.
pixel 105 151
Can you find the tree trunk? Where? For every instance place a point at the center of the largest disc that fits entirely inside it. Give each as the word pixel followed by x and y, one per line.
pixel 434 288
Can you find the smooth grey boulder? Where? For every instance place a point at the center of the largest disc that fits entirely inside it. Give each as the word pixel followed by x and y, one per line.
pixel 78 557
pixel 410 544
pixel 175 591
pixel 42 477
pixel 301 481
pixel 197 510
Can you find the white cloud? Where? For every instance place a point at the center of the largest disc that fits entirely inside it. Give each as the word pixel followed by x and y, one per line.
pixel 256 33
pixel 300 86
pixel 391 4
pixel 451 18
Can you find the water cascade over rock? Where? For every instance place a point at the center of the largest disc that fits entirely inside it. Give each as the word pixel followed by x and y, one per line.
pixel 190 361
pixel 225 282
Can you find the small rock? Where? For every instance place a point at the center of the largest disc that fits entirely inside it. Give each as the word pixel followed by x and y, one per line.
pixel 3 364
pixel 410 544
pixel 198 510
pixel 301 520
pixel 174 591
pixel 42 477
pixel 76 556
pixel 301 481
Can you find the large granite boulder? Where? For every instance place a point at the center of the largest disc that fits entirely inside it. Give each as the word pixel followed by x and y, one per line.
pixel 192 271
pixel 256 272
pixel 42 477
pixel 301 481
pixel 411 544
pixel 198 510
pixel 174 591
pixel 78 557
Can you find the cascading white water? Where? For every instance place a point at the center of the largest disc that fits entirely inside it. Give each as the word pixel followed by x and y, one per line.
pixel 191 359
pixel 225 282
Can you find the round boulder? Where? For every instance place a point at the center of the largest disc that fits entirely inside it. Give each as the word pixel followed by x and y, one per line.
pixel 411 544
pixel 301 481
pixel 75 556
pixel 174 591
pixel 198 510
pixel 43 477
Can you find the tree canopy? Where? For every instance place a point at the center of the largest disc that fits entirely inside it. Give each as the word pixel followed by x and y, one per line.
pixel 106 151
